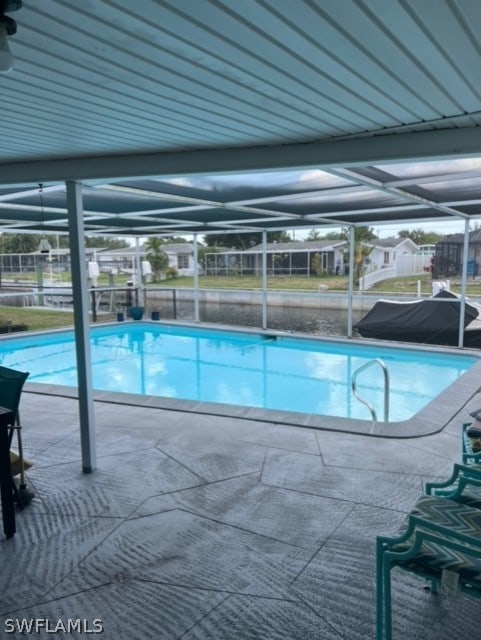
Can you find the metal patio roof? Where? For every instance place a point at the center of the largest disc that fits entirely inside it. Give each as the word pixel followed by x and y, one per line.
pixel 205 116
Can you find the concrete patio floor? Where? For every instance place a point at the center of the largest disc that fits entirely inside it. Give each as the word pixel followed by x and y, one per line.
pixel 199 527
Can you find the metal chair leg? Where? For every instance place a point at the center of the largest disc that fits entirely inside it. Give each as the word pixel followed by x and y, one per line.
pixel 379 592
pixel 383 594
pixel 23 495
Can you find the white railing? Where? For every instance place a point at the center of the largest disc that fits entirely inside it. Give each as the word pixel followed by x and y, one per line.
pixel 370 279
pixel 406 265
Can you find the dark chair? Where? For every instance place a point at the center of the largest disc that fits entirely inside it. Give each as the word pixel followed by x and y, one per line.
pixel 11 385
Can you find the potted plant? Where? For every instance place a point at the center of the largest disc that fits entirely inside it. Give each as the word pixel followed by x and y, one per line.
pixel 136 313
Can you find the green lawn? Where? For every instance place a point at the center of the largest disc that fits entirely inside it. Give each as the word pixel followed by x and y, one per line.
pixel 283 283
pixel 39 319
pixel 409 285
pixel 298 283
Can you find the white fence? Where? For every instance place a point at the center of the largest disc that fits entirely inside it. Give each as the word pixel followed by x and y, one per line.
pixel 370 279
pixel 406 265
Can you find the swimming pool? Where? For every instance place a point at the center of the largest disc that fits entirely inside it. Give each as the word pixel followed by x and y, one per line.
pixel 267 371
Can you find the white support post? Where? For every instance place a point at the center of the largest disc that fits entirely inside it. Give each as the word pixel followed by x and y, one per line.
pixel 264 279
pixel 196 280
pixel 464 276
pixel 138 283
pixel 81 319
pixel 352 239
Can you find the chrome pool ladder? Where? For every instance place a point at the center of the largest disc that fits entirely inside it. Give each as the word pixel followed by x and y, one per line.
pixel 386 388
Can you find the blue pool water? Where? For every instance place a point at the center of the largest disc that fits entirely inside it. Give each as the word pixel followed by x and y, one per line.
pixel 277 372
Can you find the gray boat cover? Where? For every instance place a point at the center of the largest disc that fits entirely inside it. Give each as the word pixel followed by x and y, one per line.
pixel 433 321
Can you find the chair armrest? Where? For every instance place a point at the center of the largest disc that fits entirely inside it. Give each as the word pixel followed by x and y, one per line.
pixel 462 474
pixel 418 531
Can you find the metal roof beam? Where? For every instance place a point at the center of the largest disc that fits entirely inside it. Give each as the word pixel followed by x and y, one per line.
pixel 441 177
pixel 298 195
pixel 380 186
pixel 7 197
pixel 393 209
pixel 464 203
pixel 381 149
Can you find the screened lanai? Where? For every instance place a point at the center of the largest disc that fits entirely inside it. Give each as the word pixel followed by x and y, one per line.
pixel 203 117
pixel 281 258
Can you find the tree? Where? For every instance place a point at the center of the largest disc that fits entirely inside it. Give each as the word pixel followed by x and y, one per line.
pixel 173 239
pixel 19 242
pixel 333 235
pixel 93 242
pixel 278 236
pixel 419 236
pixel 361 254
pixel 158 259
pixel 314 234
pixel 201 255
pixel 316 264
pixel 245 241
pixel 365 234
pixel 28 242
pixel 362 235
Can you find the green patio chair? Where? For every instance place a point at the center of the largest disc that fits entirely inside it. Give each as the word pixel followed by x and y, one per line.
pixel 463 485
pixel 11 386
pixel 471 441
pixel 439 541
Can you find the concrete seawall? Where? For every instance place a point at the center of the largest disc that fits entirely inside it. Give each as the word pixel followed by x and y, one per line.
pixel 314 299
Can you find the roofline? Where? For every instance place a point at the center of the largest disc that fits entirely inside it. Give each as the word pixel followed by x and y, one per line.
pixel 374 243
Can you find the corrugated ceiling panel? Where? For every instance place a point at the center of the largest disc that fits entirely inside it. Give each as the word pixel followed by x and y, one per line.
pixel 100 78
pixel 108 77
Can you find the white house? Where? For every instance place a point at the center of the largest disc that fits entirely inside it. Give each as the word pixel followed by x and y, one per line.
pixel 386 252
pixel 394 258
pixel 181 258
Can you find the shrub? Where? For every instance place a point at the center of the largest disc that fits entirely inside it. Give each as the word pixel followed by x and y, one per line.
pixel 171 272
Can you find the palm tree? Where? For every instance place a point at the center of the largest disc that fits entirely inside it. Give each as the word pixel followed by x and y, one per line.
pixel 158 259
pixel 361 253
pixel 361 249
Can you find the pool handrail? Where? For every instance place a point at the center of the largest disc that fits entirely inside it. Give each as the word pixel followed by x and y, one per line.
pixel 386 388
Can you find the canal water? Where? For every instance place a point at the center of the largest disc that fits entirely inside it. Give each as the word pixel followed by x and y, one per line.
pixel 328 322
